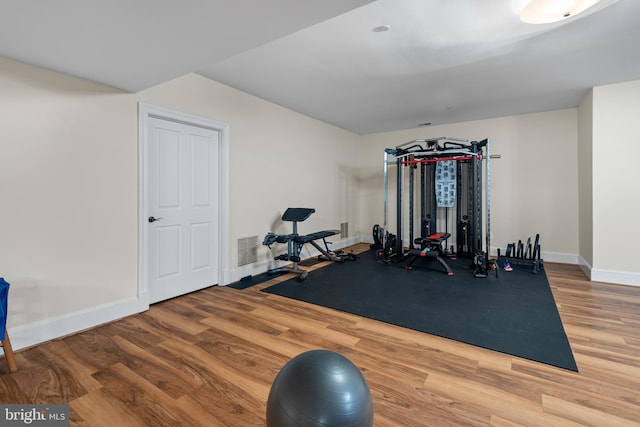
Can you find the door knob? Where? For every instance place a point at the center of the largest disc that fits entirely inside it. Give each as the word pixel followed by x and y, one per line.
pixel 153 219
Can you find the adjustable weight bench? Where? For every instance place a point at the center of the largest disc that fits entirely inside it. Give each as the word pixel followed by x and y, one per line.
pixel 431 247
pixel 295 242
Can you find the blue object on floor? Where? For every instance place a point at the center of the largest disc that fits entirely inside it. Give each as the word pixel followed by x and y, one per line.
pixel 4 297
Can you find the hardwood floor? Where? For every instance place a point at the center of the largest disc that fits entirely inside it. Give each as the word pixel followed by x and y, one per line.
pixel 209 358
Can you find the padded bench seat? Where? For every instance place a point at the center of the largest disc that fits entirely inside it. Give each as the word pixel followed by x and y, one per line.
pixel 316 236
pixel 431 247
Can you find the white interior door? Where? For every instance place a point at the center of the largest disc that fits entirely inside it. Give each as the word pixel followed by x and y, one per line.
pixel 183 208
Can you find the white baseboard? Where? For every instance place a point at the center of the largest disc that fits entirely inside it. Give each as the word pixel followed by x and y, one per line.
pixel 559 257
pixel 617 277
pixel 585 267
pixel 609 276
pixel 253 269
pixel 28 335
pixel 364 239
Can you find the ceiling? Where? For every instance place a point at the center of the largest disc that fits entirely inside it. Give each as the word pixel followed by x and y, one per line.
pixel 135 44
pixel 439 62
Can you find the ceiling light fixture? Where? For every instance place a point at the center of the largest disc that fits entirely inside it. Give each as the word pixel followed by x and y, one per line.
pixel 546 11
pixel 381 28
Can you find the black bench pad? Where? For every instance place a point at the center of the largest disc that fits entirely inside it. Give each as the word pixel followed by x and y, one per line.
pixel 315 236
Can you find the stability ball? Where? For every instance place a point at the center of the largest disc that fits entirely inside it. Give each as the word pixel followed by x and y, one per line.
pixel 319 388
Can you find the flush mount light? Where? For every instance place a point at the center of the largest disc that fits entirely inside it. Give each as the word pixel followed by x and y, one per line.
pixel 546 11
pixel 381 28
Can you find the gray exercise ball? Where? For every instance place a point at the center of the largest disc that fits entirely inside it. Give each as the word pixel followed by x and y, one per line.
pixel 319 388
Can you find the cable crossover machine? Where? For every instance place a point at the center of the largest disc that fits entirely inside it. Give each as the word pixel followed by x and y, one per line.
pixel 449 208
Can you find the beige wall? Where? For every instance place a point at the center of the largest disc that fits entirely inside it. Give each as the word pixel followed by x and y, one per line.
pixel 533 185
pixel 69 195
pixel 278 159
pixel 70 188
pixel 616 200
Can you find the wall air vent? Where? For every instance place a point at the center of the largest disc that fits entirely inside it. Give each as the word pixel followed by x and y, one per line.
pixel 344 230
pixel 247 250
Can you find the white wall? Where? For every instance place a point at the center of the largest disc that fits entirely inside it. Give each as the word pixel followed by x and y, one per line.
pixel 616 200
pixel 534 187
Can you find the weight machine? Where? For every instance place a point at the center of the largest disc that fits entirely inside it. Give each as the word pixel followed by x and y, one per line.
pixel 450 179
pixel 295 242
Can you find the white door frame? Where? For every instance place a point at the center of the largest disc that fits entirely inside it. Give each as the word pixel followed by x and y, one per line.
pixel 145 113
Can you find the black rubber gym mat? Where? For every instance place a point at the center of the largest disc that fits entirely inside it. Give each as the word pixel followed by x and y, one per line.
pixel 249 281
pixel 514 313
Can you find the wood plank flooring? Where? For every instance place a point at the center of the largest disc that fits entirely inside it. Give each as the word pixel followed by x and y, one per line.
pixel 209 358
